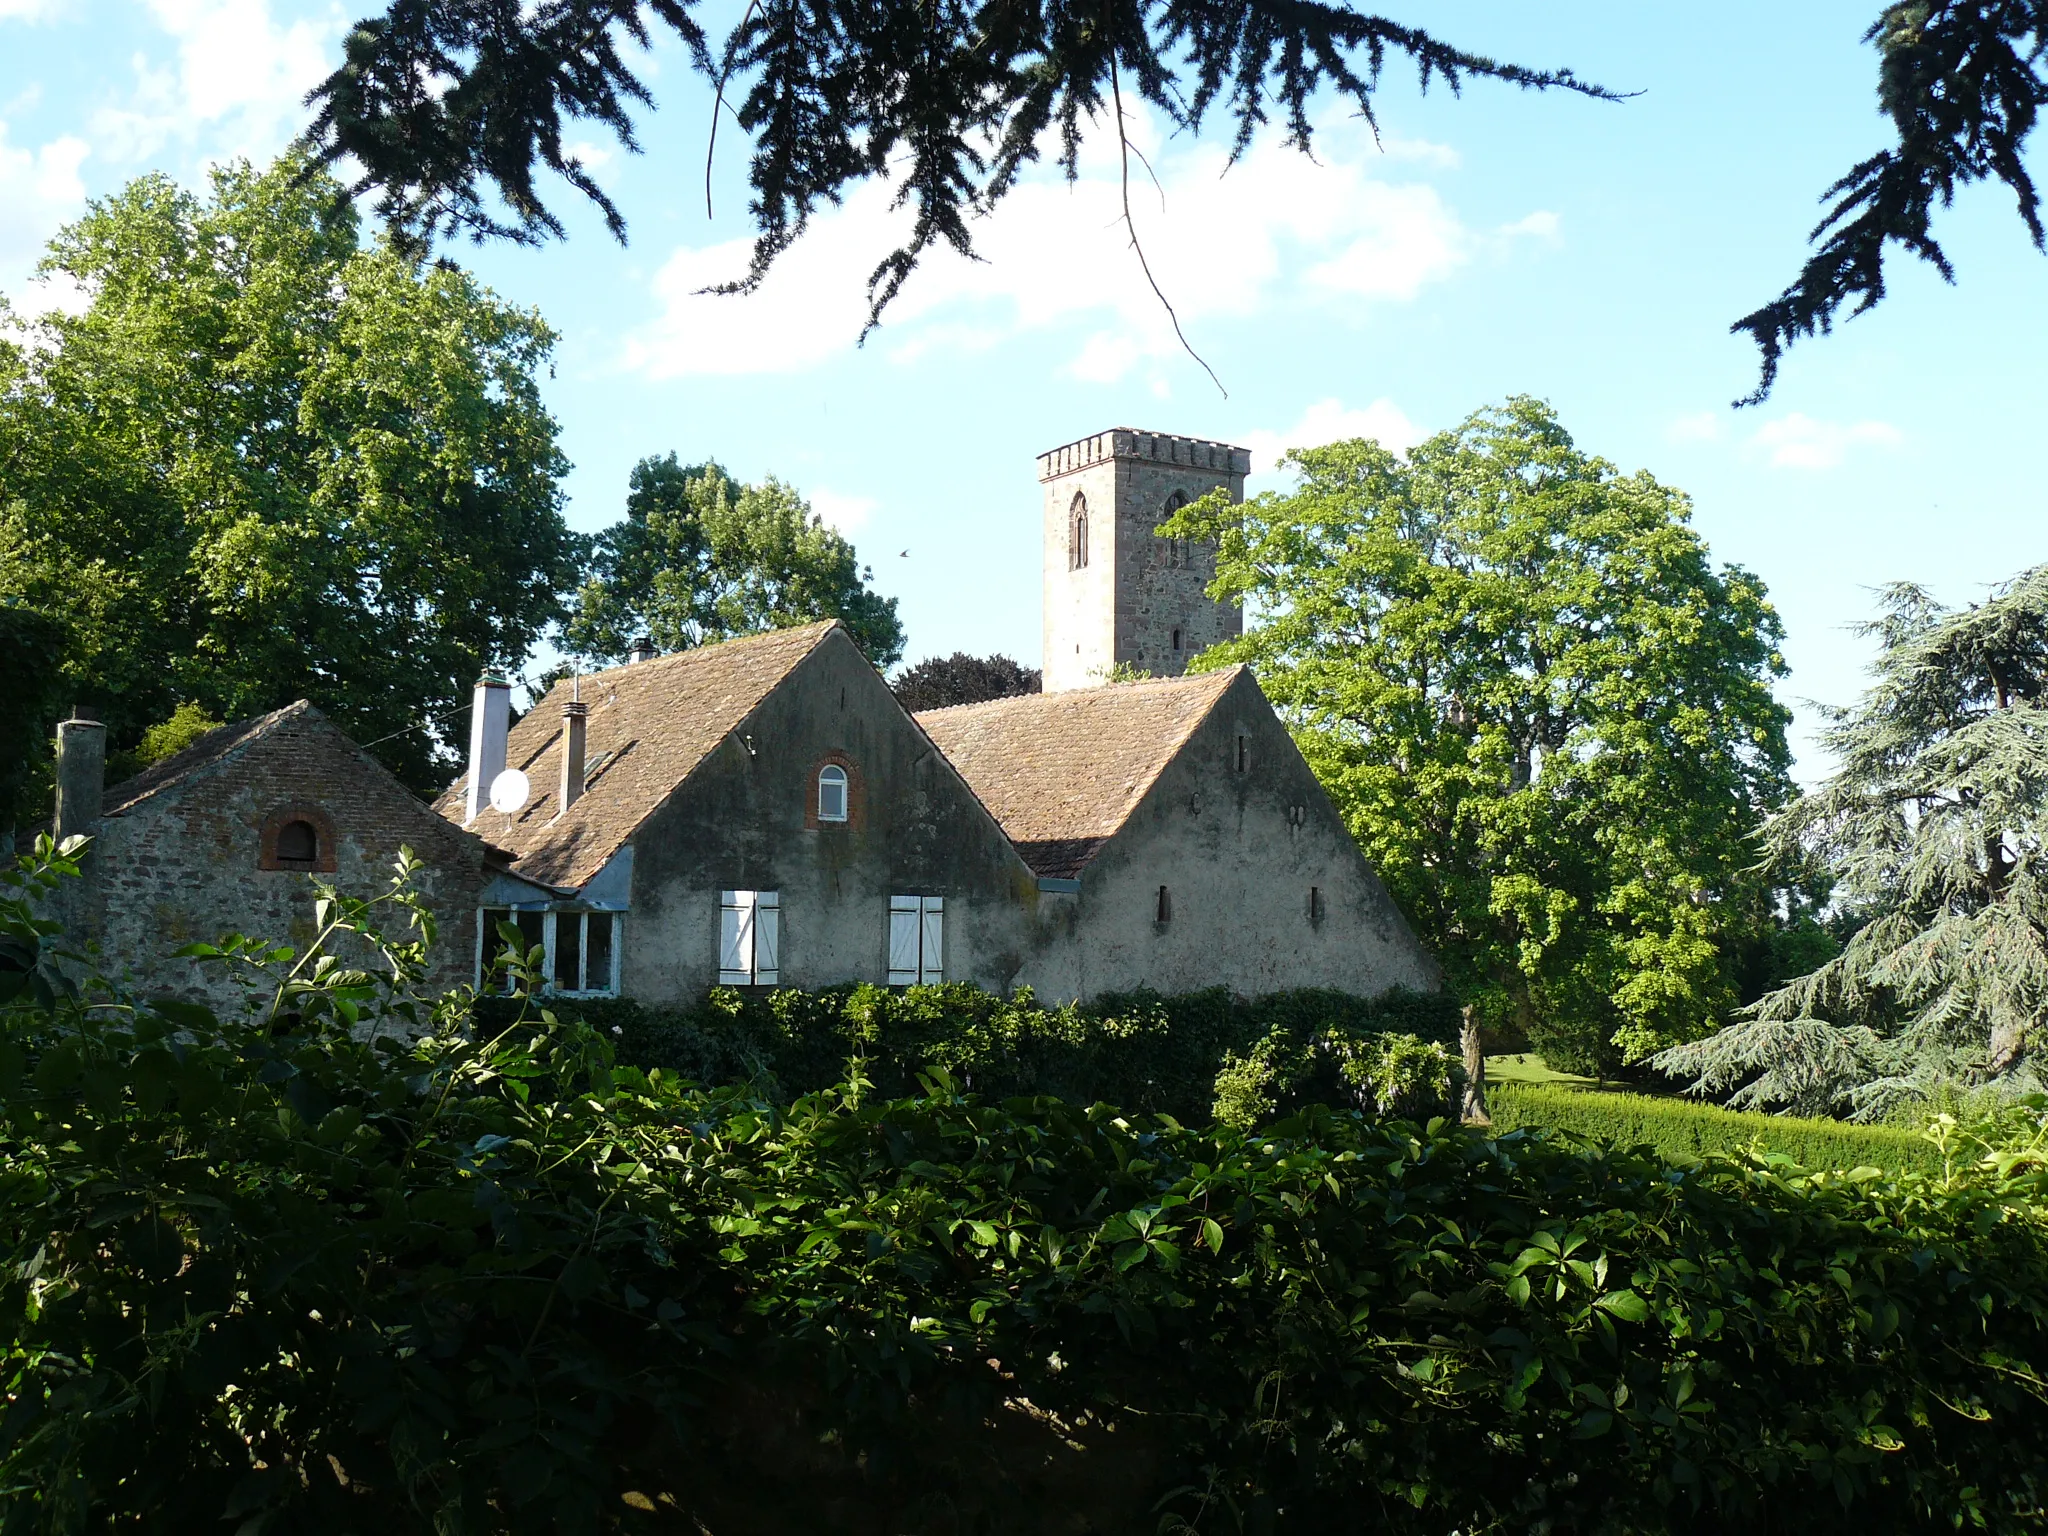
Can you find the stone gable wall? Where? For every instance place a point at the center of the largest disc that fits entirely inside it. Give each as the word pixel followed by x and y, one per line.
pixel 183 865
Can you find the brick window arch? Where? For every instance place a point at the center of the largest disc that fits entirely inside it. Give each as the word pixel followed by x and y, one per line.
pixel 818 787
pixel 300 837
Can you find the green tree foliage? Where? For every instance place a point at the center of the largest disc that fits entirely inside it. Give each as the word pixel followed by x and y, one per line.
pixel 1933 826
pixel 449 109
pixel 32 647
pixel 700 558
pixel 1545 713
pixel 266 463
pixel 296 1271
pixel 939 682
pixel 1962 83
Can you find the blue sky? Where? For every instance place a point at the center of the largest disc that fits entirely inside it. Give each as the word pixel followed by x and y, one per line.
pixel 1496 243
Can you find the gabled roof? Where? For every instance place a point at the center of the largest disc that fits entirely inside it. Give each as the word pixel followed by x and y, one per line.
pixel 220 742
pixel 651 723
pixel 1062 772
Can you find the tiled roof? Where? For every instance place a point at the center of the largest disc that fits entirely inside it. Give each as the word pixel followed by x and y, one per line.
pixel 1063 771
pixel 651 724
pixel 210 748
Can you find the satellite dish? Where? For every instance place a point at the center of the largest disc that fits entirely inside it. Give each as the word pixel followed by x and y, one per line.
pixel 509 791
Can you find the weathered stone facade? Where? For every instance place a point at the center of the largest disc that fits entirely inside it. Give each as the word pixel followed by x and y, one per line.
pixel 1115 592
pixel 189 851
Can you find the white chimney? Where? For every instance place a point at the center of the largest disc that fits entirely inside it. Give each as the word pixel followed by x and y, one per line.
pixel 490 722
pixel 643 650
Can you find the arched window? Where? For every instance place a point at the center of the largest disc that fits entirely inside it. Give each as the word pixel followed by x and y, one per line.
pixel 298 843
pixel 1173 553
pixel 831 793
pixel 1077 533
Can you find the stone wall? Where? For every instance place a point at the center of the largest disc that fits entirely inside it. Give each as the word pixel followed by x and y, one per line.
pixel 185 863
pixel 1141 600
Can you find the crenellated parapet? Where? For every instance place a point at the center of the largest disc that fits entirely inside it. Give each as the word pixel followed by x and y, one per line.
pixel 1152 447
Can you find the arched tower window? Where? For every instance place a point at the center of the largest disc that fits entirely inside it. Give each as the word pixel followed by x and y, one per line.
pixel 1173 553
pixel 832 793
pixel 1077 533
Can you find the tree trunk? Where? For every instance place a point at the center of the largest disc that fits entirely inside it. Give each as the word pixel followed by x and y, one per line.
pixel 1473 1110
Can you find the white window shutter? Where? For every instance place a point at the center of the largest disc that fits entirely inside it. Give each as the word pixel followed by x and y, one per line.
pixel 767 939
pixel 735 938
pixel 903 919
pixel 931 967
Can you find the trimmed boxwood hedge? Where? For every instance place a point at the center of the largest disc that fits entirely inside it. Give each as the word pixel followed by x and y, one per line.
pixel 1685 1132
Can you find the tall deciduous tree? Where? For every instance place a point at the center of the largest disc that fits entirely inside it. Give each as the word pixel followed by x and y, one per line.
pixel 266 462
pixel 700 557
pixel 1544 711
pixel 1934 827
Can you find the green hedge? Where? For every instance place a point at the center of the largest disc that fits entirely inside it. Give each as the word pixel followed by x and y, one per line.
pixel 1143 1050
pixel 1685 1132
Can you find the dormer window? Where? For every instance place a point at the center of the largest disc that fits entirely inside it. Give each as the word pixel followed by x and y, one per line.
pixel 832 797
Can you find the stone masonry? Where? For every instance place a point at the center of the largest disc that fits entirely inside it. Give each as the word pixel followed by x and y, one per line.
pixel 1115 592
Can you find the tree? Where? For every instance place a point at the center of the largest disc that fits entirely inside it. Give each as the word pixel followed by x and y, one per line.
pixel 1545 713
pixel 1933 826
pixel 442 105
pixel 268 463
pixel 32 646
pixel 700 557
pixel 942 681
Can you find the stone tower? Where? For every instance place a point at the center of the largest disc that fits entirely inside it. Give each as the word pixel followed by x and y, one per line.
pixel 1114 591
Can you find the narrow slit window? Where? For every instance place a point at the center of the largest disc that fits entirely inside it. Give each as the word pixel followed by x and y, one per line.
pixel 1176 640
pixel 917 940
pixel 1244 752
pixel 749 938
pixel 1165 905
pixel 832 797
pixel 1315 906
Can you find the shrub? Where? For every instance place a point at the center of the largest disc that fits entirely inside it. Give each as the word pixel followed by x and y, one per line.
pixel 1684 1132
pixel 1142 1050
pixel 276 1272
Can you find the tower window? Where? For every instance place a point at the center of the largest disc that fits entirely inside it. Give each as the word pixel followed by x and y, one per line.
pixel 831 793
pixel 1077 533
pixel 1176 639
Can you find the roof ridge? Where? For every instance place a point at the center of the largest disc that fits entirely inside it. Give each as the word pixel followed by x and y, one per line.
pixel 1099 688
pixel 819 626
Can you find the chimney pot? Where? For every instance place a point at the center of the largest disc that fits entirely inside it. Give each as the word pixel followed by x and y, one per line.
pixel 490 724
pixel 81 773
pixel 575 720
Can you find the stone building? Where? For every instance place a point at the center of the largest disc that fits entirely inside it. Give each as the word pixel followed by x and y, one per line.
pixel 764 813
pixel 1116 594
pixel 227 835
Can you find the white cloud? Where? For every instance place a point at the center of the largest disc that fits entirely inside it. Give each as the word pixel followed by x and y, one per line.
pixel 1798 441
pixel 1699 427
pixel 239 74
pixel 1278 229
pixel 39 189
pixel 1331 421
pixel 848 514
pixel 27 10
pixel 1542 225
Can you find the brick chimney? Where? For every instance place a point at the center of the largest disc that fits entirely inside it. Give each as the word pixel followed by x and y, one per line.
pixel 575 718
pixel 490 723
pixel 81 772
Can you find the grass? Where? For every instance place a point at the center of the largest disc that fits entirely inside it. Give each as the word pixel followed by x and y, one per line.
pixel 1531 1068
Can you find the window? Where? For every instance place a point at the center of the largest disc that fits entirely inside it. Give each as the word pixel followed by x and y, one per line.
pixel 1165 905
pixel 585 946
pixel 1176 640
pixel 917 940
pixel 749 939
pixel 1077 533
pixel 298 843
pixel 494 975
pixel 1244 752
pixel 1315 906
pixel 831 793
